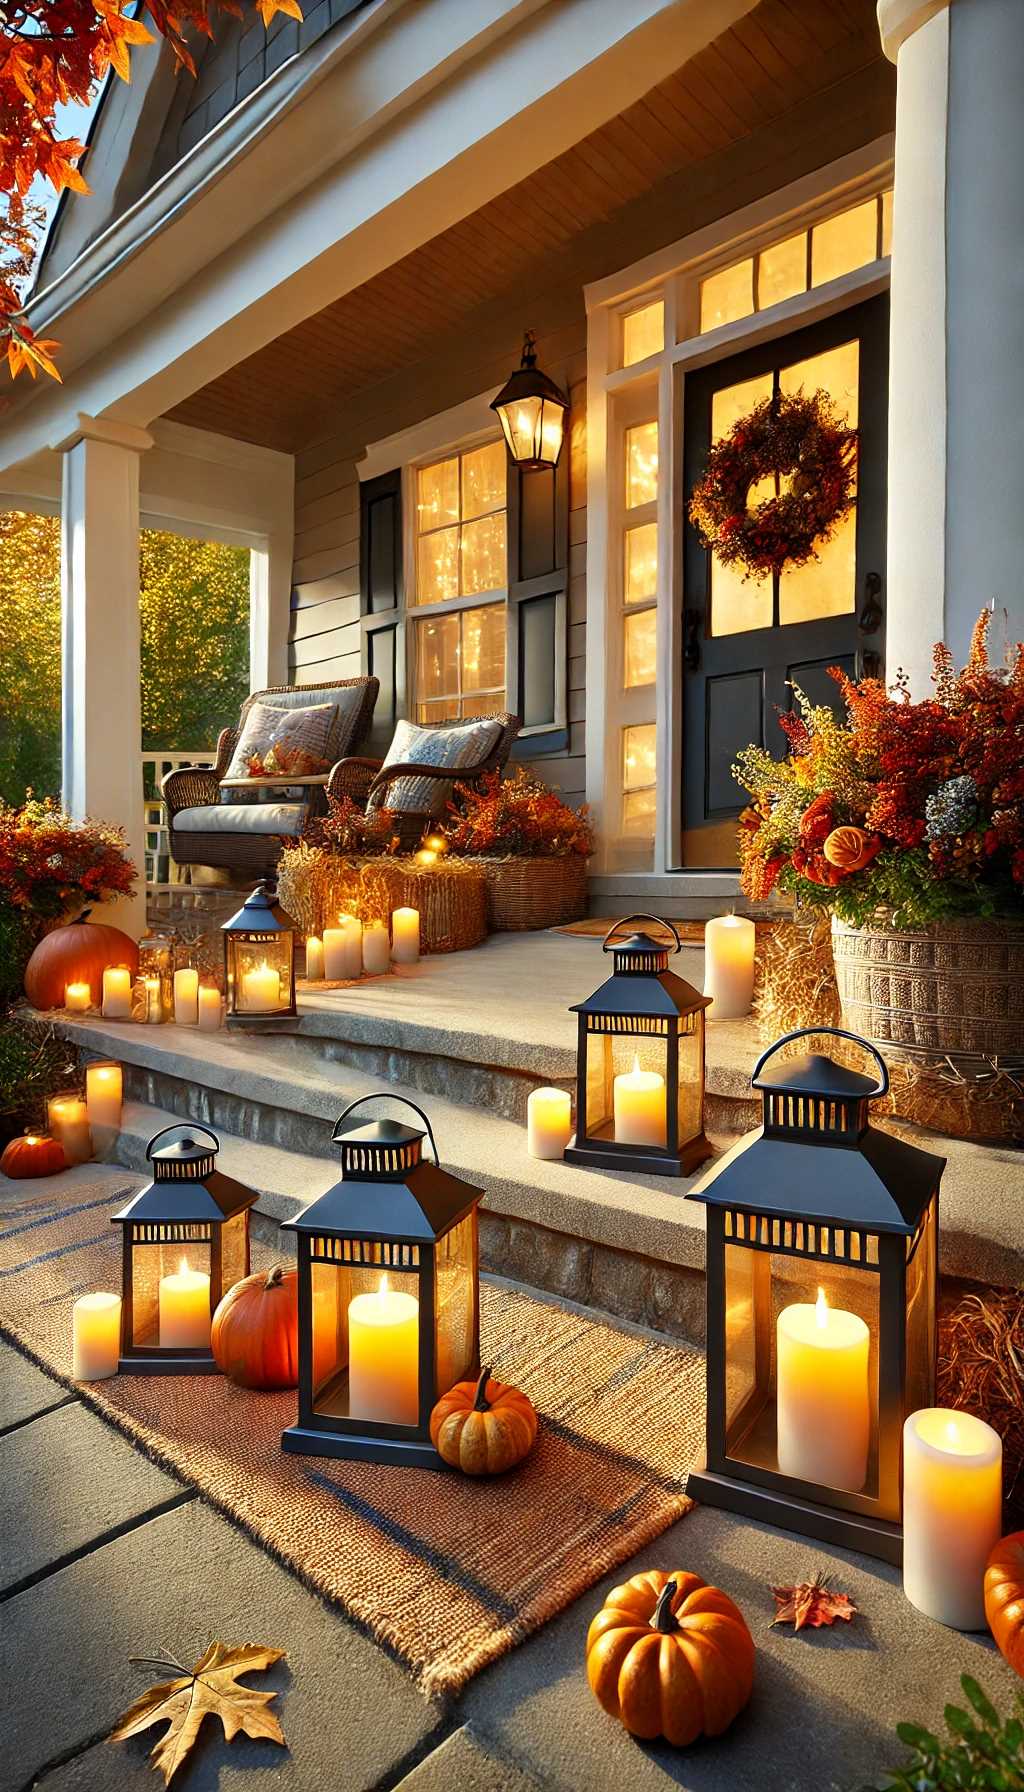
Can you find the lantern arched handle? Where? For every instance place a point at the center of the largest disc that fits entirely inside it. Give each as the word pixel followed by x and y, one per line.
pixel 658 922
pixel 881 1088
pixel 186 1126
pixel 386 1095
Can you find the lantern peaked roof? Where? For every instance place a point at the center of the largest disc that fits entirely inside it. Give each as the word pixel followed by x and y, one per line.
pixel 383 1132
pixel 188 1200
pixel 418 1207
pixel 877 1184
pixel 814 1073
pixel 260 913
pixel 641 993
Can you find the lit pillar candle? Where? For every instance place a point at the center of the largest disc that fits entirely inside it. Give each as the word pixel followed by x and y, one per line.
pixel 824 1414
pixel 209 1009
pixel 405 935
pixel 383 1356
pixel 95 1337
pixel 186 997
pixel 184 1309
pixel 68 1119
pixel 77 997
pixel 103 1096
pixel 376 949
pixel 335 958
pixel 352 945
pixel 729 943
pixel 638 1100
pixel 117 993
pixel 261 989
pixel 548 1122
pixel 314 959
pixel 952 1513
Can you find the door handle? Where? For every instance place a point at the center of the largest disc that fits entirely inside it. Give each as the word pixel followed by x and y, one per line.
pixel 870 618
pixel 692 620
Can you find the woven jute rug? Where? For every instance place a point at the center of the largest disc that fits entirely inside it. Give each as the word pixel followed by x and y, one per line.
pixel 446 1573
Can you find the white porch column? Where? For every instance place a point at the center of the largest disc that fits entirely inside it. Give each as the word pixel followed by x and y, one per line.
pixel 101 709
pixel 956 384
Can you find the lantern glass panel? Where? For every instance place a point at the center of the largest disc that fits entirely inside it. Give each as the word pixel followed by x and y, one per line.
pixel 637 1057
pixel 455 1305
pixel 260 972
pixel 366 1361
pixel 691 1079
pixel 234 1257
pixel 922 1254
pixel 184 1247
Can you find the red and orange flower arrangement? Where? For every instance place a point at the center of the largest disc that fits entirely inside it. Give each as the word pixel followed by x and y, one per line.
pixel 48 861
pixel 911 808
pixel 518 815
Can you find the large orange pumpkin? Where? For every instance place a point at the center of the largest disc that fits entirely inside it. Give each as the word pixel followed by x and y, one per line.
pixel 33 1155
pixel 670 1656
pixel 483 1427
pixel 850 849
pixel 255 1333
pixel 1004 1598
pixel 78 953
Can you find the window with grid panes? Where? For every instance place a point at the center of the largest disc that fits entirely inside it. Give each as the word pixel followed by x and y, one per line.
pixel 836 245
pixel 461 552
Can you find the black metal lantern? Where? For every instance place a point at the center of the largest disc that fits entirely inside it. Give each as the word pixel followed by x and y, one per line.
pixel 531 410
pixel 640 1063
pixel 185 1243
pixel 822 1260
pixel 259 963
pixel 389 1305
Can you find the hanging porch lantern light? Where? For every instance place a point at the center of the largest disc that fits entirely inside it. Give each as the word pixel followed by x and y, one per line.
pixel 389 1306
pixel 185 1243
pixel 822 1262
pixel 531 410
pixel 640 1063
pixel 259 963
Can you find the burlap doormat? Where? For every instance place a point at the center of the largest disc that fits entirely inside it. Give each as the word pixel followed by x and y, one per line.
pixel 446 1573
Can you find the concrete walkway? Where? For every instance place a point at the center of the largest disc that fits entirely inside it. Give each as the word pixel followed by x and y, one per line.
pixel 105 1557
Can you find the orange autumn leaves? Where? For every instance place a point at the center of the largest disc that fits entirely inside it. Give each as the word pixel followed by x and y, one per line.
pixel 55 53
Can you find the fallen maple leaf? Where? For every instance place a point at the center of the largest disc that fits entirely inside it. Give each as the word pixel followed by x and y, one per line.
pixel 810 1604
pixel 211 1689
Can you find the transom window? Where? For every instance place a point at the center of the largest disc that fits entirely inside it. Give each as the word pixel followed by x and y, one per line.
pixel 837 245
pixel 460 553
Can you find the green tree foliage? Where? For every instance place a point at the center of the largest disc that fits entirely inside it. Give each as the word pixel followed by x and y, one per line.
pixel 29 655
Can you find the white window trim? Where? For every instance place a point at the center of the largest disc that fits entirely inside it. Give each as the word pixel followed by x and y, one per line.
pixel 612 393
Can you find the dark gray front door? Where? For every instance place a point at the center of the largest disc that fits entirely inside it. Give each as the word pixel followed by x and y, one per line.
pixel 747 641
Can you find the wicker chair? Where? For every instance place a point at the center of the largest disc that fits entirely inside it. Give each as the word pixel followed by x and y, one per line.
pixel 361 778
pixel 256 846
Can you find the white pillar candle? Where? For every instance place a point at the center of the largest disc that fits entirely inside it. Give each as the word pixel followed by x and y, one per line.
pixel 261 990
pixel 376 949
pixel 117 993
pixel 95 1337
pixel 153 1006
pixel 824 1412
pixel 952 1513
pixel 314 959
pixel 335 958
pixel 405 935
pixel 729 943
pixel 352 945
pixel 383 1356
pixel 186 997
pixel 103 1095
pixel 184 1300
pixel 77 998
pixel 209 1009
pixel 68 1119
pixel 548 1122
pixel 638 1100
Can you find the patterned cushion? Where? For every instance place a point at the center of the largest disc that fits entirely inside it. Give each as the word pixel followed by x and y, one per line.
pixel 347 700
pixel 458 747
pixel 310 727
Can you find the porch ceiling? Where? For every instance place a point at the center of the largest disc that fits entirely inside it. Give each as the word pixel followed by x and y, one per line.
pixel 781 53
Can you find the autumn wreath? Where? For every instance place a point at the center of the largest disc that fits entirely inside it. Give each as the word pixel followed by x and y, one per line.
pixel 812 454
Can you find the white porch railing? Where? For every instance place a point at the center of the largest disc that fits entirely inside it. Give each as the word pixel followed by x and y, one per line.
pixel 161 872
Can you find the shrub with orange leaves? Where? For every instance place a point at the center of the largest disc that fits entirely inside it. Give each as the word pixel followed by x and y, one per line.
pixel 518 816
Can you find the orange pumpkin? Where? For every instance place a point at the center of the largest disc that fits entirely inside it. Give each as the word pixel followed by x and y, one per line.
pixel 850 849
pixel 670 1656
pixel 483 1427
pixel 1004 1598
pixel 33 1155
pixel 78 953
pixel 255 1333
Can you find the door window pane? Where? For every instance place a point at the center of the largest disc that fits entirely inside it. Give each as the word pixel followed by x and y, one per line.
pixel 733 402
pixel 641 572
pixel 640 655
pixel 826 586
pixel 643 333
pixel 483 480
pixel 845 242
pixel 782 271
pixel 727 295
pixel 738 603
pixel 638 756
pixel 638 812
pixel 837 372
pixel 641 464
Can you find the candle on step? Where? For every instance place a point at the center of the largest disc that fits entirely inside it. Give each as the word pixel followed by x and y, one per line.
pixel 261 989
pixel 68 1121
pixel 95 1337
pixel 952 1513
pixel 152 1001
pixel 335 956
pixel 209 1009
pixel 729 943
pixel 352 944
pixel 117 993
pixel 103 1096
pixel 186 997
pixel 77 997
pixel 184 1306
pixel 638 1103
pixel 383 1356
pixel 376 949
pixel 824 1418
pixel 314 959
pixel 405 935
pixel 548 1122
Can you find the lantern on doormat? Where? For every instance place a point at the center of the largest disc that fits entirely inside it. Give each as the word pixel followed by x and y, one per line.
pixel 640 1063
pixel 259 963
pixel 822 1260
pixel 185 1243
pixel 388 1295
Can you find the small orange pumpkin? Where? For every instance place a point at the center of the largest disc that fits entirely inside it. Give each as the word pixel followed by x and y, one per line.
pixel 1004 1598
pixel 850 849
pixel 255 1332
pixel 670 1656
pixel 78 953
pixel 33 1155
pixel 483 1427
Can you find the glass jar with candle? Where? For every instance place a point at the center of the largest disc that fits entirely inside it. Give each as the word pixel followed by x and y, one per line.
pixel 156 963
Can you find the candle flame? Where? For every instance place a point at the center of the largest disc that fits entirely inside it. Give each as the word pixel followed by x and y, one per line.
pixel 382 1291
pixel 952 1434
pixel 31 1139
pixel 821 1308
pixel 183 1267
pixel 636 1063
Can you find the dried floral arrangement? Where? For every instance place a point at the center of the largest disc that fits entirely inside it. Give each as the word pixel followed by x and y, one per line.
pixel 519 817
pixel 48 861
pixel 914 808
pixel 353 832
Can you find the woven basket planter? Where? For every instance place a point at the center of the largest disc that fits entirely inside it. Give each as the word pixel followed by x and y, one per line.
pixel 956 986
pixel 524 894
pixel 315 886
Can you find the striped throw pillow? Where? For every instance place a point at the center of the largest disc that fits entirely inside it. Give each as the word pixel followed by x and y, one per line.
pixel 458 748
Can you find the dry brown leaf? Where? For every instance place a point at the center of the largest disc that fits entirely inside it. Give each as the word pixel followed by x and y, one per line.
pixel 810 1604
pixel 211 1689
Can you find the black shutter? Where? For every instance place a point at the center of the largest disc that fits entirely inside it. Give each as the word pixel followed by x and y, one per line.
pixel 538 608
pixel 382 600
